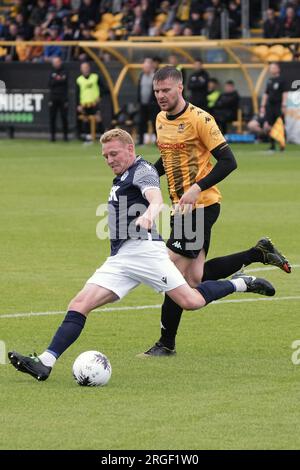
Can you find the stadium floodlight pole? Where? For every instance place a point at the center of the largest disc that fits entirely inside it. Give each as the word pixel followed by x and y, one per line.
pixel 224 24
pixel 265 5
pixel 245 19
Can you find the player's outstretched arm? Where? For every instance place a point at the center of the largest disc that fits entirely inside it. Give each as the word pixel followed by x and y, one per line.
pixel 154 197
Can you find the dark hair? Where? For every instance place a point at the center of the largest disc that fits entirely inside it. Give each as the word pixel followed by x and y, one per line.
pixel 168 72
pixel 198 59
pixel 230 82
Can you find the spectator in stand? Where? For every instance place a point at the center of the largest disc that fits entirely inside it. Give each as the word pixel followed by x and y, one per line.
pixel 226 107
pixel 140 22
pixel 24 7
pixel 195 22
pixel 11 31
pixel 290 26
pixel 37 52
pixel 212 24
pixel 52 19
pixel 289 3
pixel 38 14
pixel 88 11
pixel 24 28
pixel 22 50
pixel 272 25
pixel 234 13
pixel 53 50
pixel 213 93
pixel 10 34
pixel 62 8
pixel 183 10
pixel 198 85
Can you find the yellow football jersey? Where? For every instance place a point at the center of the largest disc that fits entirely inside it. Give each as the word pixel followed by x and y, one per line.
pixel 185 143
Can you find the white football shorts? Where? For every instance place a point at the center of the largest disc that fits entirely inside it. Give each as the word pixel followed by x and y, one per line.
pixel 138 262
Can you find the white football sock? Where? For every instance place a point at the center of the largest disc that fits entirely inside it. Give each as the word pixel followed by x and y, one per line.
pixel 47 359
pixel 239 284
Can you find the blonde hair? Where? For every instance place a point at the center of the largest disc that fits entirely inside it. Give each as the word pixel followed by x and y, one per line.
pixel 117 134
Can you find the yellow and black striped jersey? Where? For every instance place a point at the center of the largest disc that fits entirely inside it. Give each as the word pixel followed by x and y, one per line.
pixel 185 142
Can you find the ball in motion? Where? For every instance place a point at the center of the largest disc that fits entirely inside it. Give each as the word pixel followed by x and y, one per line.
pixel 92 369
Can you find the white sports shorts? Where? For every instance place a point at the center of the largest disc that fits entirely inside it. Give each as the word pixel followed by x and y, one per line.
pixel 138 262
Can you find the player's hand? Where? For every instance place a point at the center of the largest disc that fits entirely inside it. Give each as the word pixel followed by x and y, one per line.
pixel 144 221
pixel 188 199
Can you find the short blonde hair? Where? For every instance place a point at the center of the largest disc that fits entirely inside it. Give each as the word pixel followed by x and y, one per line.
pixel 117 134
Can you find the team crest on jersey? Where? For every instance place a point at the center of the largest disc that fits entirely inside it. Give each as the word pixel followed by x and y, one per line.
pixel 181 127
pixel 124 176
pixel 113 195
pixel 276 86
pixel 207 119
pixel 160 127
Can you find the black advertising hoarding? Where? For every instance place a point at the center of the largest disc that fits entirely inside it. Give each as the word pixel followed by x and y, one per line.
pixel 24 104
pixel 20 108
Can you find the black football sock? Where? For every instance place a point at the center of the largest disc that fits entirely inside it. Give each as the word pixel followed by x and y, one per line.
pixel 67 333
pixel 224 266
pixel 214 290
pixel 170 319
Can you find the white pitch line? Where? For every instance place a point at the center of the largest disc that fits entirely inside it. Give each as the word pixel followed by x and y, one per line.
pixel 145 307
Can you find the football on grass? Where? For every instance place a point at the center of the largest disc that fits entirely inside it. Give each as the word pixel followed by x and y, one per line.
pixel 92 369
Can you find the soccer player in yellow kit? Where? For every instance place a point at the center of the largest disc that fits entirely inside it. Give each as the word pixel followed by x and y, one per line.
pixel 187 136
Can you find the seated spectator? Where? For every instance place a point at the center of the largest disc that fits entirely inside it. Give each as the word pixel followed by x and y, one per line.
pixel 88 11
pixel 271 25
pixel 24 28
pixel 22 50
pixel 37 52
pixel 195 22
pixel 176 29
pixel 290 26
pixel 38 13
pixel 256 127
pixel 53 50
pixel 226 107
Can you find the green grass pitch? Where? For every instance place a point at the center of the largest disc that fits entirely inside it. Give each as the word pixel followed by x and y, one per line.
pixel 232 384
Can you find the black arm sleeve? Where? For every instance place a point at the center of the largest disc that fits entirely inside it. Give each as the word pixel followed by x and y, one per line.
pixel 159 167
pixel 226 163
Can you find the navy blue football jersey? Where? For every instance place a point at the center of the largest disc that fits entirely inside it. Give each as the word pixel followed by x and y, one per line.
pixel 126 203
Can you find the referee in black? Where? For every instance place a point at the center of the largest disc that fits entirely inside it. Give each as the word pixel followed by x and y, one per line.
pixel 58 99
pixel 274 99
